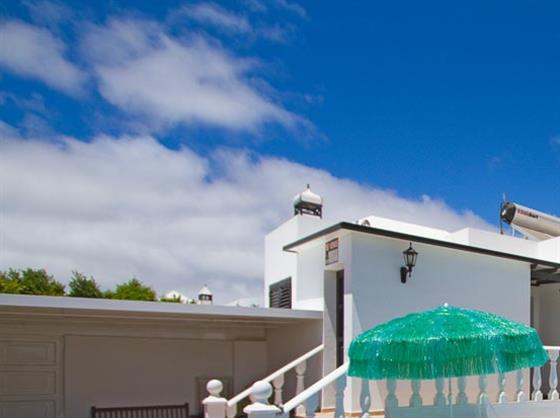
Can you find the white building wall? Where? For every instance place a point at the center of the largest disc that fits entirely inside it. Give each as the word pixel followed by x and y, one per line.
pixel 280 264
pixel 547 301
pixel 376 295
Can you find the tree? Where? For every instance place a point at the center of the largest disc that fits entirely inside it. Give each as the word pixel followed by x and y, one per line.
pixel 171 299
pixel 30 282
pixel 134 289
pixel 39 282
pixel 81 286
pixel 10 282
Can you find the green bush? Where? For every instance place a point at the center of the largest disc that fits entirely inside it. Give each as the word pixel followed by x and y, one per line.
pixel 81 286
pixel 30 282
pixel 134 289
pixel 172 299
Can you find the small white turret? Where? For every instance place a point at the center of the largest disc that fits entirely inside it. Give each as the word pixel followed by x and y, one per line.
pixel 308 203
pixel 205 296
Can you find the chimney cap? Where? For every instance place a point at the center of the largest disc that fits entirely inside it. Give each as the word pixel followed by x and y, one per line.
pixel 307 196
pixel 205 291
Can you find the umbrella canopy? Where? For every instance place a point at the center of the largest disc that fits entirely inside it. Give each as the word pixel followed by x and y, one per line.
pixel 444 342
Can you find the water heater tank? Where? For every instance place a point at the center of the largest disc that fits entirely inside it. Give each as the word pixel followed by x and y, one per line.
pixel 530 222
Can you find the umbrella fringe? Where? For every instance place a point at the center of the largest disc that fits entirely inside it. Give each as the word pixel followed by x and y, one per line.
pixel 477 343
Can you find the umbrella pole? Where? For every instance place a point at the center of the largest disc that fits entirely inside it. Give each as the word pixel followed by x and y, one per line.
pixel 450 397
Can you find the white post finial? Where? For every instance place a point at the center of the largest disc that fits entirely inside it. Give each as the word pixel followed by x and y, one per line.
pixel 214 405
pixel 260 408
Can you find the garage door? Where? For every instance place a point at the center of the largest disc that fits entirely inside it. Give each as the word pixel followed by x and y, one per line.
pixel 30 377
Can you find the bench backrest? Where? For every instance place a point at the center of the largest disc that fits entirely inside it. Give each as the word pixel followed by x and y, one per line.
pixel 160 411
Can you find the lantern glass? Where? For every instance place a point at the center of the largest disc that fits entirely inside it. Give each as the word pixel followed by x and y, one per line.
pixel 410 256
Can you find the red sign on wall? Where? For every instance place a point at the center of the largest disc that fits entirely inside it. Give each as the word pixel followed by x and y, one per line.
pixel 331 252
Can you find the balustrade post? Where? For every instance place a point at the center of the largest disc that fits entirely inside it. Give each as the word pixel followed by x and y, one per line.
pixel 462 386
pixel 415 398
pixel 300 385
pixel 553 379
pixel 391 401
pixel 340 385
pixel 520 379
pixel 214 405
pixel 231 411
pixel 278 384
pixel 311 405
pixel 502 395
pixel 365 398
pixel 260 408
pixel 537 394
pixel 482 385
pixel 439 398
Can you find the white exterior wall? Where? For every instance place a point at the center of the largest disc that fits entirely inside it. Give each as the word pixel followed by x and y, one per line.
pixel 547 304
pixel 550 249
pixel 374 293
pixel 279 264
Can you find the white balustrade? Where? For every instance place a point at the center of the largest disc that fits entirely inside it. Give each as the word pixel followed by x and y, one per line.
pixel 277 379
pixel 439 398
pixel 553 377
pixel 391 400
pixel 306 401
pixel 260 408
pixel 482 385
pixel 519 381
pixel 340 385
pixel 502 395
pixel 365 398
pixel 415 398
pixel 311 405
pixel 462 395
pixel 300 385
pixel 336 378
pixel 214 405
pixel 537 394
pixel 278 384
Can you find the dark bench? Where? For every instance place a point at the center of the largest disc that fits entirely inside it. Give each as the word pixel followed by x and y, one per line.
pixel 160 411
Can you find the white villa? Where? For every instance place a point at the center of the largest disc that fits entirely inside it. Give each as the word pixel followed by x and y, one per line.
pixel 324 284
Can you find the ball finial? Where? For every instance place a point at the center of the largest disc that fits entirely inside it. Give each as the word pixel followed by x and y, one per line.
pixel 261 391
pixel 214 387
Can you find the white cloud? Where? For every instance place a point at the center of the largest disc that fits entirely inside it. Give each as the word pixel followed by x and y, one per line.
pixel 292 7
pixel 33 52
pixel 212 15
pixel 168 81
pixel 216 15
pixel 115 208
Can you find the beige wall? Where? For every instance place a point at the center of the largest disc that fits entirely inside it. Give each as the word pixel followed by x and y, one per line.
pixel 112 371
pixel 288 343
pixel 122 361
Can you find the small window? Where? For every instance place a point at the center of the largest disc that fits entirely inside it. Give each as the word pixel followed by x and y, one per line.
pixel 280 294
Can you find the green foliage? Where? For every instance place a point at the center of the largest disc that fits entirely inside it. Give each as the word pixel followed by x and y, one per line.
pixel 10 282
pixel 30 282
pixel 172 299
pixel 134 289
pixel 81 286
pixel 39 282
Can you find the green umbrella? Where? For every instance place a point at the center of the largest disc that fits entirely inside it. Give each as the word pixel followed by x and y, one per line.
pixel 444 342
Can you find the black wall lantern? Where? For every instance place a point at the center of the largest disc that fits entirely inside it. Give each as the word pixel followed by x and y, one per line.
pixel 409 256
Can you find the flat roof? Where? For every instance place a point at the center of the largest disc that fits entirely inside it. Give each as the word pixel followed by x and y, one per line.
pixel 87 307
pixel 352 227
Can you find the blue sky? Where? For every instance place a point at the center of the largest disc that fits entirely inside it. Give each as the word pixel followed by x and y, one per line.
pixel 456 101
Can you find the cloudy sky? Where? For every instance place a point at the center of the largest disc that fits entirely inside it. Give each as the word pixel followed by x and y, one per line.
pixel 163 140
